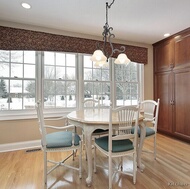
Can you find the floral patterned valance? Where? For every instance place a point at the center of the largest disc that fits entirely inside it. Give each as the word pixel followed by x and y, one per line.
pixel 21 39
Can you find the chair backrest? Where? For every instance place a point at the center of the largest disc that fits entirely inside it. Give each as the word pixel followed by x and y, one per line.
pixel 128 117
pixel 41 123
pixel 151 110
pixel 91 103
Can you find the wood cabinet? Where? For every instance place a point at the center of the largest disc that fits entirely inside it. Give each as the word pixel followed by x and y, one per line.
pixel 163 56
pixel 181 115
pixel 164 92
pixel 182 50
pixel 172 84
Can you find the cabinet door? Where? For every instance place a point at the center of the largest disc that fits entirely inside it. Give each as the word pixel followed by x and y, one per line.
pixel 164 91
pixel 182 104
pixel 163 56
pixel 182 51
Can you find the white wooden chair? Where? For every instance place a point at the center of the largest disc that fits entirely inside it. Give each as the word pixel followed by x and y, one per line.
pixel 64 139
pixel 150 108
pixel 91 103
pixel 122 143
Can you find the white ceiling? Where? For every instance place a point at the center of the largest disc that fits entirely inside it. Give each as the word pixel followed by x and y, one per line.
pixel 143 21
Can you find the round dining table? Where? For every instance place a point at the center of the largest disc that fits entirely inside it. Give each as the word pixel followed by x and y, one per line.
pixel 90 120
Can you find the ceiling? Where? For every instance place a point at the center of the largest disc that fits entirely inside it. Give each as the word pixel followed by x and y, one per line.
pixel 142 21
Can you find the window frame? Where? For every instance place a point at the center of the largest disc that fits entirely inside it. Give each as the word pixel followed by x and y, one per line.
pixel 55 112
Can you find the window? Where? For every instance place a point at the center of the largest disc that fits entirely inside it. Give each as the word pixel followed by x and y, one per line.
pixel 62 81
pixel 127 84
pixel 59 80
pixel 17 80
pixel 96 82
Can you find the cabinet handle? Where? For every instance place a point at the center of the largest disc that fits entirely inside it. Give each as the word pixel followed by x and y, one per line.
pixel 171 102
pixel 171 66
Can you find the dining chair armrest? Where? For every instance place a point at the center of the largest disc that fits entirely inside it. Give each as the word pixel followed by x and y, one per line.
pixel 54 119
pixel 61 128
pixel 149 120
pixel 63 119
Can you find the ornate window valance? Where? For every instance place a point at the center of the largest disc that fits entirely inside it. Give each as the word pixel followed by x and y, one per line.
pixel 21 39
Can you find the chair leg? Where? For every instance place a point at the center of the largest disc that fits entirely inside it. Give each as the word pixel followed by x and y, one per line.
pixel 45 169
pixel 155 146
pixel 134 167
pixel 110 172
pixel 80 161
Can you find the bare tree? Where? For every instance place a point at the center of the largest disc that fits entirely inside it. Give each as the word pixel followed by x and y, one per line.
pixel 31 88
pixel 125 77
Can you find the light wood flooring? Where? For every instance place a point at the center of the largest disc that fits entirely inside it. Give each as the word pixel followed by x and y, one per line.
pixel 171 170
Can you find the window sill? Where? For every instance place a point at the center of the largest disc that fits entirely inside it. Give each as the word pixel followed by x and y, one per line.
pixel 19 115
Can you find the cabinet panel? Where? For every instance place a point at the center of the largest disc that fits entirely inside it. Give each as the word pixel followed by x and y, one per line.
pixel 182 104
pixel 172 84
pixel 163 56
pixel 182 51
pixel 163 90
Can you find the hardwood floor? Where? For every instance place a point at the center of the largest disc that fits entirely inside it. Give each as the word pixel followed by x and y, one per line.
pixel 21 170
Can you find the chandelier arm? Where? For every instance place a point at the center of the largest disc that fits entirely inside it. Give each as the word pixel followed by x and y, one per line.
pixel 121 50
pixel 109 6
pixel 111 35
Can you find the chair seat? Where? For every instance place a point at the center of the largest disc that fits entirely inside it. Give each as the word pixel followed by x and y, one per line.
pixel 61 139
pixel 117 145
pixel 149 131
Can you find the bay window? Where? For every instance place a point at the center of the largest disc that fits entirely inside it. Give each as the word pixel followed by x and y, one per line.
pixel 53 77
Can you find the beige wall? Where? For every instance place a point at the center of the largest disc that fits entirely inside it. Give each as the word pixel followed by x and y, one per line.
pixel 27 130
pixel 18 131
pixel 148 76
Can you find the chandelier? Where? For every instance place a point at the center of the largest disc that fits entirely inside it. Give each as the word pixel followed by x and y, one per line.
pixel 101 55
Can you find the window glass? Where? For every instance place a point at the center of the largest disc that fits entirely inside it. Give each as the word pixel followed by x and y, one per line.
pixel 127 84
pixel 29 57
pixel 60 72
pixel 4 69
pixel 17 80
pixel 16 70
pixel 4 56
pixel 17 56
pixel 70 59
pixel 70 72
pixel 60 59
pixel 49 58
pixel 49 72
pixel 96 82
pixel 60 80
pixel 29 71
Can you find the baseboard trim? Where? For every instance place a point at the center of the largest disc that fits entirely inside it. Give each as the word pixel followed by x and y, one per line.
pixel 20 145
